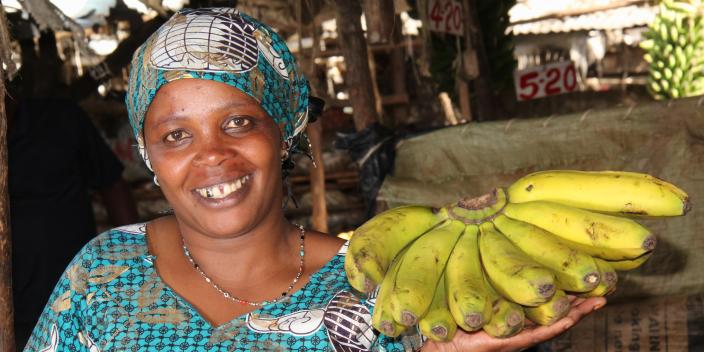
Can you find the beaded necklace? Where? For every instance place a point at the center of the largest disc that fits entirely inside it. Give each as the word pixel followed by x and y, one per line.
pixel 236 299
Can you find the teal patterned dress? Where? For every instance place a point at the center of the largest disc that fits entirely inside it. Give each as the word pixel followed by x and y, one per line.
pixel 110 298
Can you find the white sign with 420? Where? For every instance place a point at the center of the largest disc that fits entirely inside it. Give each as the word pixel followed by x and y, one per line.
pixel 546 80
pixel 445 16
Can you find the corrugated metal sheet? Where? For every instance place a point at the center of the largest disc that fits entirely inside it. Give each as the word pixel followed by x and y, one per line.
pixel 616 18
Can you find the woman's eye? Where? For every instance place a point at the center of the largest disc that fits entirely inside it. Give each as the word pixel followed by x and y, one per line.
pixel 176 136
pixel 238 123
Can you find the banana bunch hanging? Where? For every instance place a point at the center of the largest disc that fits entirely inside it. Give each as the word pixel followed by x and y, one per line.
pixel 493 261
pixel 675 50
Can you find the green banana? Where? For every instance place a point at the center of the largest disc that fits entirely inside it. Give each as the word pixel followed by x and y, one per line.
pixel 466 289
pixel 605 191
pixel 376 243
pixel 356 278
pixel 675 42
pixel 551 311
pixel 574 270
pixel 422 267
pixel 607 285
pixel 438 324
pixel 511 272
pixel 625 265
pixel 382 319
pixel 507 318
pixel 476 210
pixel 606 236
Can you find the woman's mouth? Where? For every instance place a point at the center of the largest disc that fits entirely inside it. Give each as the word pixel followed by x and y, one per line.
pixel 222 190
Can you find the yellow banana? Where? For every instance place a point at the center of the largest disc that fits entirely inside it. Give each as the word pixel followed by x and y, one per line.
pixel 511 272
pixel 507 318
pixel 605 236
pixel 467 295
pixel 377 242
pixel 551 311
pixel 607 285
pixel 420 271
pixel 382 319
pixel 605 191
pixel 475 210
pixel 625 265
pixel 438 324
pixel 356 278
pixel 574 270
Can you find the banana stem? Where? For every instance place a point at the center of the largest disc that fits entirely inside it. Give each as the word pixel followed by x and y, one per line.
pixel 479 209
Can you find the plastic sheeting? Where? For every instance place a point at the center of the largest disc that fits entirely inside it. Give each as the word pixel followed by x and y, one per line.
pixel 662 139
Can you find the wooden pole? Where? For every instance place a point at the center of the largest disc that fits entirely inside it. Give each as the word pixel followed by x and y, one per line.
pixel 358 77
pixel 446 104
pixel 319 218
pixel 7 330
pixel 486 108
pixel 399 112
pixel 377 14
pixel 465 108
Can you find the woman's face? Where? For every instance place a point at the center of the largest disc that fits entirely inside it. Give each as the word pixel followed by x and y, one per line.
pixel 216 154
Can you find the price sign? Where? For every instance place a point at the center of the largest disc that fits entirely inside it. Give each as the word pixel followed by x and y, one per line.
pixel 445 16
pixel 546 80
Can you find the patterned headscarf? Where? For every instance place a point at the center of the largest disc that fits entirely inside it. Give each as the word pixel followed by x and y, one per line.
pixel 223 45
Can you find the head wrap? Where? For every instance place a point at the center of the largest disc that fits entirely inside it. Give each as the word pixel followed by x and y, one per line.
pixel 223 45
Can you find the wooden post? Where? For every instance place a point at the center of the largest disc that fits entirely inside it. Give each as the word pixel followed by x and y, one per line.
pixel 319 218
pixel 465 108
pixel 446 104
pixel 378 106
pixel 7 330
pixel 486 109
pixel 354 49
pixel 380 21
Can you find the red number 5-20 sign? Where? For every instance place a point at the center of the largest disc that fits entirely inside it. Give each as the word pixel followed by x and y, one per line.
pixel 445 16
pixel 546 80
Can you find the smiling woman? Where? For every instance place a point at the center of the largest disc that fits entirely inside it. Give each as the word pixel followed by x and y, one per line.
pixel 217 106
pixel 215 151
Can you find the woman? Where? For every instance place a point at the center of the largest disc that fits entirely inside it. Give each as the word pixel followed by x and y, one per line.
pixel 217 105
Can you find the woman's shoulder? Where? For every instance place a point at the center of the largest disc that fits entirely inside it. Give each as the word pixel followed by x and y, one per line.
pixel 120 243
pixel 323 248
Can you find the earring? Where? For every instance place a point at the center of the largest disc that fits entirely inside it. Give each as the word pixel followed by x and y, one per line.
pixel 156 181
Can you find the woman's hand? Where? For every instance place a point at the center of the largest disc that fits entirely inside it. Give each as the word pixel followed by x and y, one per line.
pixel 531 335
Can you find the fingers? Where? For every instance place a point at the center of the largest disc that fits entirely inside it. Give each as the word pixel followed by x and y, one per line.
pixel 532 336
pixel 588 305
pixel 577 301
pixel 580 310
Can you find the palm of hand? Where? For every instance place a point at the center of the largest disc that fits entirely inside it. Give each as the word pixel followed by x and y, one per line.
pixel 532 335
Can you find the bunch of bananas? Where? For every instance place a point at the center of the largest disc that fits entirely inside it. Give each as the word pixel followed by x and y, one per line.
pixel 675 50
pixel 493 261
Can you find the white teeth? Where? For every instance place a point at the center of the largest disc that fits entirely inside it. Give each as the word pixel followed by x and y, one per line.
pixel 222 190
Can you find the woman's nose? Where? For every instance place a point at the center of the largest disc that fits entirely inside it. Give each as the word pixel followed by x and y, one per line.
pixel 212 153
